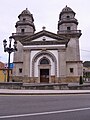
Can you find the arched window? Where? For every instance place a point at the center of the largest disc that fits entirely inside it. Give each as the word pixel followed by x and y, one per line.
pixel 44 61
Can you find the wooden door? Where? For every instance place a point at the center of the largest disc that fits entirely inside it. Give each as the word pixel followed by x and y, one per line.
pixel 44 75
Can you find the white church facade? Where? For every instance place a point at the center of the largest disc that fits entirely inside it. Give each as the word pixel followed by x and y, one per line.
pixel 46 57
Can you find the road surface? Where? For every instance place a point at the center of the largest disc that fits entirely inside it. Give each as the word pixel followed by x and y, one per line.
pixel 56 107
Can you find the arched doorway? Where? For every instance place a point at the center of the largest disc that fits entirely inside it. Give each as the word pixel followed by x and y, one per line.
pixel 51 65
pixel 44 70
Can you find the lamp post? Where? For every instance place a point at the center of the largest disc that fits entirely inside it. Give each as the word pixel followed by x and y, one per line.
pixel 9 50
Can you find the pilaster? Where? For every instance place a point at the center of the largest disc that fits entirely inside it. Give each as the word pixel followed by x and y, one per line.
pixel 26 63
pixel 62 63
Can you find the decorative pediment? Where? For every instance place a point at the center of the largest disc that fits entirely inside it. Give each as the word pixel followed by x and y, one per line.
pixel 44 38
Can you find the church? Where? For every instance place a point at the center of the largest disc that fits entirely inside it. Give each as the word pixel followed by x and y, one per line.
pixel 44 56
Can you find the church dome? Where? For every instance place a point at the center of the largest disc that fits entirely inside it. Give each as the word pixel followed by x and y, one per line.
pixel 26 12
pixel 67 20
pixel 67 10
pixel 26 22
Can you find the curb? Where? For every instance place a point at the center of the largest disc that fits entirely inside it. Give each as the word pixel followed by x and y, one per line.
pixel 42 92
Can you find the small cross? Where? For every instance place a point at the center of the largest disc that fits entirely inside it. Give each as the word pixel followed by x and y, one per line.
pixel 43 27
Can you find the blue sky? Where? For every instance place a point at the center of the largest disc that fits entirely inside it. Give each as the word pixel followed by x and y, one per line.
pixel 45 13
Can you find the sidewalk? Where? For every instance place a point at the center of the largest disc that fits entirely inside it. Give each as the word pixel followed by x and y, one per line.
pixel 41 92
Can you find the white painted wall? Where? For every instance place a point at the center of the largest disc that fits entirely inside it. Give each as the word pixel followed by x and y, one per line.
pixel 55 53
pixel 36 72
pixel 44 46
pixel 33 53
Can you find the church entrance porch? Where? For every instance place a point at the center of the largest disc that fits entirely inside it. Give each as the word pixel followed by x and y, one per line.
pixel 44 66
pixel 44 75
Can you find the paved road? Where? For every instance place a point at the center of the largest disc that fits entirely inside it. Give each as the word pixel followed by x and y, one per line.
pixel 64 107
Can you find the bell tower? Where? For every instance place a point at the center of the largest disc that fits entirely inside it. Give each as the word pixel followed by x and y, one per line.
pixel 25 24
pixel 67 21
pixel 67 26
pixel 24 28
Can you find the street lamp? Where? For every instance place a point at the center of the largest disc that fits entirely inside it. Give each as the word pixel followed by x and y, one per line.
pixel 9 50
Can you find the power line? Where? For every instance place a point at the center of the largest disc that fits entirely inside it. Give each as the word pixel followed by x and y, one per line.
pixel 85 50
pixel 80 49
